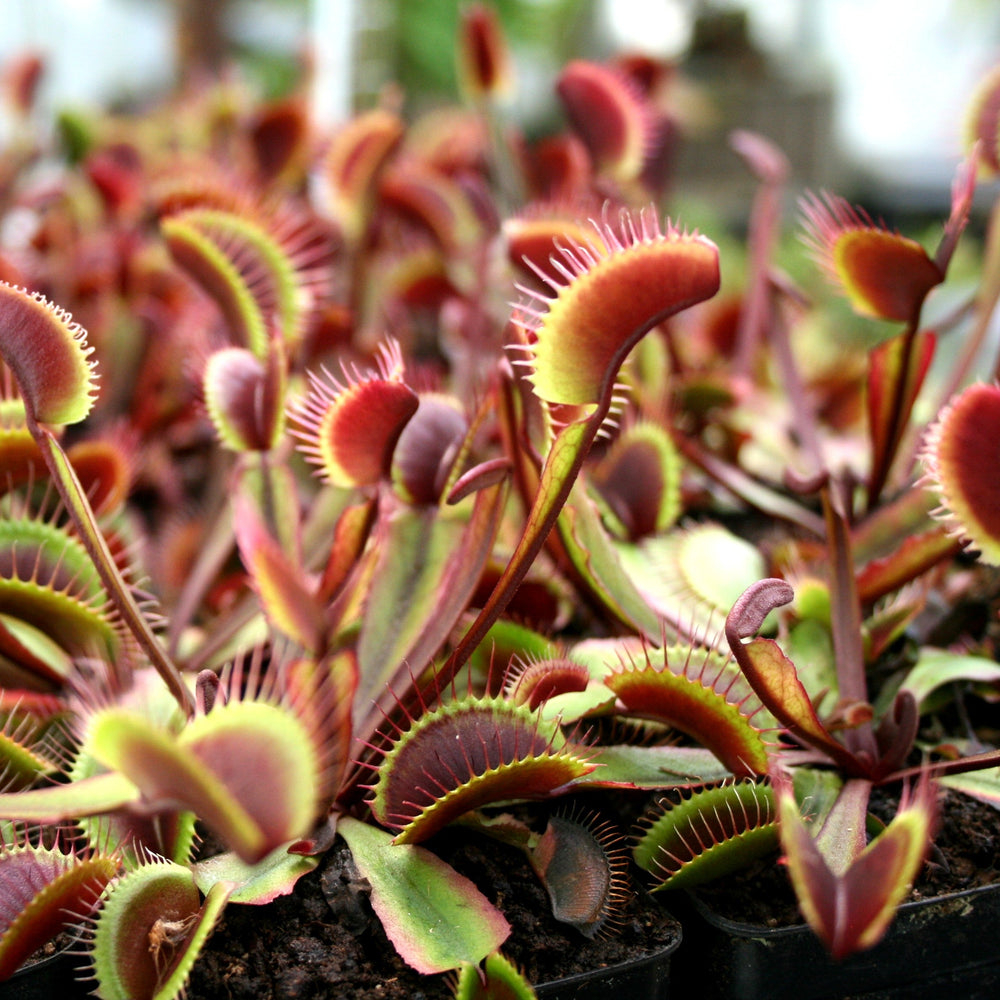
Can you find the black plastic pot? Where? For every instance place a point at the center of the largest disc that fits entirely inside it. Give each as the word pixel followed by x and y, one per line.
pixel 941 947
pixel 49 979
pixel 645 978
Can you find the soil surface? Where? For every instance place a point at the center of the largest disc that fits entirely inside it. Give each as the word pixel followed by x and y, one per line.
pixel 324 941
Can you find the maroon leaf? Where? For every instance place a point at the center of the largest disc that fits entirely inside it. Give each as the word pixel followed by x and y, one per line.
pixel 850 907
pixel 772 675
pixel 896 372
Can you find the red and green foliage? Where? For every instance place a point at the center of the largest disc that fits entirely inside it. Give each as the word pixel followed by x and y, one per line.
pixel 306 533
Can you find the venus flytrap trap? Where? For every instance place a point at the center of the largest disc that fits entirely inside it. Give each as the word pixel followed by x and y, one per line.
pixel 611 293
pixel 703 837
pixel 50 889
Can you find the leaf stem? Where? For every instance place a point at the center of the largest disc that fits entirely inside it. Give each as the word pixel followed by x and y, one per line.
pixel 79 509
pixel 562 466
pixel 894 433
pixel 845 613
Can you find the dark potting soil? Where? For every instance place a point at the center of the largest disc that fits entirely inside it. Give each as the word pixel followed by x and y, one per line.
pixel 965 855
pixel 323 941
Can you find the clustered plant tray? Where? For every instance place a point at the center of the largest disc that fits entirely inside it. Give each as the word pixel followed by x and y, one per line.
pixel 325 574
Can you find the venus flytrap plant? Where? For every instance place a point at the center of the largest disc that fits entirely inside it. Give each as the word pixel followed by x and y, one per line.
pixel 296 732
pixel 295 725
pixel 657 273
pixel 46 354
pixel 888 277
pixel 848 889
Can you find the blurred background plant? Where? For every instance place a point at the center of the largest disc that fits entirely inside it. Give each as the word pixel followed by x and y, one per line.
pixel 801 72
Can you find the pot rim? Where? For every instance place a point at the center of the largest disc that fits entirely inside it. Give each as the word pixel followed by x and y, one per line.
pixel 744 929
pixel 636 964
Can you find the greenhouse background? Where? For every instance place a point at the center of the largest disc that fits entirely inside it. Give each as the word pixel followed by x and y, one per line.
pixel 863 94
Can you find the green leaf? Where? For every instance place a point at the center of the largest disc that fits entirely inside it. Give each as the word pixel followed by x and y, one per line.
pixel 936 667
pixel 59 803
pixel 571 706
pixel 597 560
pixel 436 919
pixel 816 790
pixel 809 645
pixel 426 572
pixel 653 767
pixel 273 876
pixel 506 639
pixel 982 785
pixel 23 647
